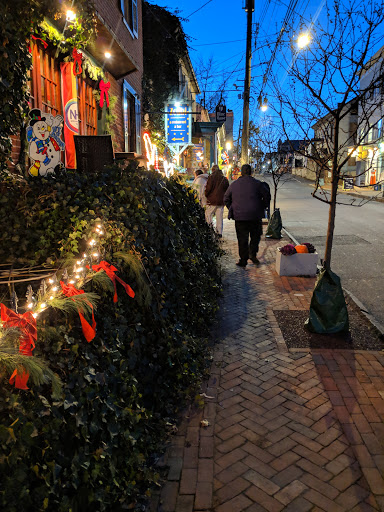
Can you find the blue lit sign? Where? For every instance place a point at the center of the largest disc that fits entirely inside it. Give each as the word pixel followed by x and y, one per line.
pixel 178 125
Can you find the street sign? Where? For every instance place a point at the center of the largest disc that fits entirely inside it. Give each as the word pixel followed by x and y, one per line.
pixel 198 152
pixel 178 123
pixel 347 183
pixel 221 114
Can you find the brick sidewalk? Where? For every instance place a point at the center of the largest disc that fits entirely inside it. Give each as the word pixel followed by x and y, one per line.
pixel 289 430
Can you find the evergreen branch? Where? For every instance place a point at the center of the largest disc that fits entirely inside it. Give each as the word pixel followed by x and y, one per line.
pixel 39 373
pixel 73 304
pixel 135 270
pixel 102 281
pixel 10 336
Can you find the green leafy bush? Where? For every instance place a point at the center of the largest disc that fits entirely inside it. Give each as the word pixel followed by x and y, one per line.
pixel 91 449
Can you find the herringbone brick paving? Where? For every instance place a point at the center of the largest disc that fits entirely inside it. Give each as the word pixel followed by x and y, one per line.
pixel 298 430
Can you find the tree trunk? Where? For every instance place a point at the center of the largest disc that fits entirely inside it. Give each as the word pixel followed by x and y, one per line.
pixel 332 206
pixel 274 199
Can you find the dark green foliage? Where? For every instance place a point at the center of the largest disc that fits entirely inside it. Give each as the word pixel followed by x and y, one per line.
pixel 92 449
pixel 164 47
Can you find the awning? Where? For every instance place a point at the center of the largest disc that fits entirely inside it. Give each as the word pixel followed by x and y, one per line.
pixel 121 63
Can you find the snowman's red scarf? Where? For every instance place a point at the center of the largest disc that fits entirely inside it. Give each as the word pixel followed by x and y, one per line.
pixel 42 145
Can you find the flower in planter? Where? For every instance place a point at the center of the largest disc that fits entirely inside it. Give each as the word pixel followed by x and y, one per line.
pixel 287 250
pixel 311 248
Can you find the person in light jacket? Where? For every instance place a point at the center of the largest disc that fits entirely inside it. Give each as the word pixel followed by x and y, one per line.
pixel 199 184
pixel 247 198
pixel 215 189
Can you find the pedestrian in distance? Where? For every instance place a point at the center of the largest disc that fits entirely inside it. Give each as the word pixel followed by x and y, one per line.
pixel 215 189
pixel 247 198
pixel 199 184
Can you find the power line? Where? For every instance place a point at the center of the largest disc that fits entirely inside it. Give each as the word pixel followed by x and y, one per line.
pixel 206 3
pixel 221 42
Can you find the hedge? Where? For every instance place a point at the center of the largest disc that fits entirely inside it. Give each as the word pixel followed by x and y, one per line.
pixel 92 447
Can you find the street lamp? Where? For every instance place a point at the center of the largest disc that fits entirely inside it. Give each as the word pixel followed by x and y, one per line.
pixel 71 15
pixel 303 40
pixel 228 146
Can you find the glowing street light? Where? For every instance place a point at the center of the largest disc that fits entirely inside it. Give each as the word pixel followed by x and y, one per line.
pixel 71 15
pixel 228 146
pixel 264 107
pixel 107 55
pixel 303 40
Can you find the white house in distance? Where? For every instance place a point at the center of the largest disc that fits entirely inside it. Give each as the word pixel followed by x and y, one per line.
pixel 323 143
pixel 370 154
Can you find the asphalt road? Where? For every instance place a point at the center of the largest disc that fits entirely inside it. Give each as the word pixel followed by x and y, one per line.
pixel 358 246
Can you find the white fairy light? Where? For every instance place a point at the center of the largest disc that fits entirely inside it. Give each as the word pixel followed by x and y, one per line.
pixel 30 305
pixel 43 305
pixel 54 288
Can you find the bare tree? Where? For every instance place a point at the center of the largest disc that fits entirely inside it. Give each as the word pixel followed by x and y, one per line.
pixel 335 87
pixel 211 82
pixel 274 162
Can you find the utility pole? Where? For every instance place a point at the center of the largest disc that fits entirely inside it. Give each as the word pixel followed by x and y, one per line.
pixel 238 143
pixel 249 7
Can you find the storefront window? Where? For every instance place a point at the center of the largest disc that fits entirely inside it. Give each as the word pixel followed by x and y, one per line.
pixel 87 108
pixel 45 81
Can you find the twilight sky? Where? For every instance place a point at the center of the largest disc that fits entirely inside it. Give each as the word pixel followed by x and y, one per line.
pixel 218 31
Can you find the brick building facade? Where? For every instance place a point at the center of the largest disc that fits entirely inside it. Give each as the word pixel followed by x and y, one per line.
pixel 119 32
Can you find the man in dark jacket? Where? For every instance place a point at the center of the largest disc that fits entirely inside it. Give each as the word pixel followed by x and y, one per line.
pixel 215 189
pixel 248 198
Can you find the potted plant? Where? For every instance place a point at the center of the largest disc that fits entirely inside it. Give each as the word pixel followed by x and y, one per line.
pixel 297 260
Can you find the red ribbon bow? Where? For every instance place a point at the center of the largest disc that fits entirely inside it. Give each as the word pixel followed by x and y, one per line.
pixel 27 324
pixel 89 330
pixel 77 59
pixel 45 44
pixel 110 271
pixel 104 88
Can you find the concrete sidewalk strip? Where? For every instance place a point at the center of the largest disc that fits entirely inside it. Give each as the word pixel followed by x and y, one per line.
pixel 294 430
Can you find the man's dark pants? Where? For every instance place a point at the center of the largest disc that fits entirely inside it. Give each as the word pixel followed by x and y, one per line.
pixel 245 230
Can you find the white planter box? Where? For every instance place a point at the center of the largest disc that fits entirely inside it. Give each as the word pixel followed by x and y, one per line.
pixel 299 264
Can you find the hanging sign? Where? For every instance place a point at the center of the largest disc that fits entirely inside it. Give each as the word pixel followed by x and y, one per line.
pixel 178 124
pixel 44 136
pixel 71 112
pixel 221 113
pixel 198 152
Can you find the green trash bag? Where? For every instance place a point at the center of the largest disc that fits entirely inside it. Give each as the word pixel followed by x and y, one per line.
pixel 274 225
pixel 328 312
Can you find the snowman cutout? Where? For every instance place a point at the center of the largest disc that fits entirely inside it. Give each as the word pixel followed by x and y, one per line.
pixel 45 143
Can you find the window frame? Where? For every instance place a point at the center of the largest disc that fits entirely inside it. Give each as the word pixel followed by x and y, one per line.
pixel 136 111
pixel 134 15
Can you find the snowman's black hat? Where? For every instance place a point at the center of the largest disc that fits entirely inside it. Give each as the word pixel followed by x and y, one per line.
pixel 35 116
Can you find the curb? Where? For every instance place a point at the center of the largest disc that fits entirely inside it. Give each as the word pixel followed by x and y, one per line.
pixel 364 310
pixel 378 198
pixel 359 304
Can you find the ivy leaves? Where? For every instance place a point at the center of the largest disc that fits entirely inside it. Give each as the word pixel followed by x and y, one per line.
pixel 121 390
